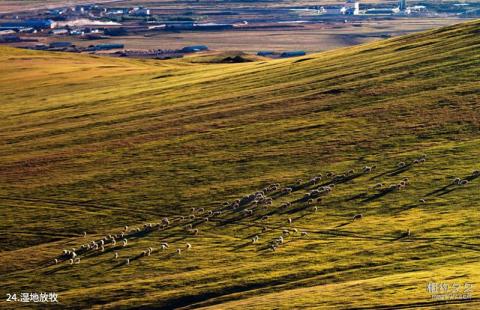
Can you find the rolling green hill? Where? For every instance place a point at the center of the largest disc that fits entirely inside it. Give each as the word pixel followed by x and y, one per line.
pixel 91 144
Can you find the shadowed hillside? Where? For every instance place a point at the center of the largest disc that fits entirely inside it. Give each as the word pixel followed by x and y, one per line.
pixel 91 144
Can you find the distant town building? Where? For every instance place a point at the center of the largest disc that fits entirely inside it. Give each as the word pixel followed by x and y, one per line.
pixel 37 24
pixel 351 8
pixel 140 11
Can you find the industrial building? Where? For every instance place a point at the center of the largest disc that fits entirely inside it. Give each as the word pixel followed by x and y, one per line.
pixel 36 24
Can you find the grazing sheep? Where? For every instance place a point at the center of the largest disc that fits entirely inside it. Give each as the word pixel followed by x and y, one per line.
pixel 201 210
pixel 422 200
pixel 124 242
pixel 71 261
pixel 330 174
pixel 457 181
pixel 114 242
pixel 77 260
pixel 295 230
pixel 273 247
pixel 102 243
pixel 125 228
pixel 255 239
pixel 188 226
pixel 193 209
pixel 290 220
pixel 163 247
pixel 179 251
pixel 127 261
pixel 315 209
pixel 285 205
pixel 192 216
pixel 286 232
pixel 84 234
pixel 299 182
pixel 205 219
pixel 304 233
pixel 463 182
pixel 265 217
pixel 102 249
pixel 73 254
pixel 280 240
pixel 422 160
pixel 264 228
pixel 55 261
pixel 357 217
pixel 195 231
pixel 378 185
pixel 310 202
pixel 164 244
pixel 401 164
pixel 248 211
pixel 367 169
pixel 416 161
pixel 115 256
pixel 189 246
pixel 408 233
pixel 287 190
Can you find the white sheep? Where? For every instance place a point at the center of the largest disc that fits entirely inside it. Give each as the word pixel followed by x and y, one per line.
pixel 357 216
pixel 189 246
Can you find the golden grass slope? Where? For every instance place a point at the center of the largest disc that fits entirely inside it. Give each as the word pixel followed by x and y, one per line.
pixel 93 144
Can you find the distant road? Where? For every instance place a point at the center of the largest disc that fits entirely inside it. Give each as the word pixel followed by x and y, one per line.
pixel 12 6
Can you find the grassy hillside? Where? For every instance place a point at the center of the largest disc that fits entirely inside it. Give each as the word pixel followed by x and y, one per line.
pixel 90 144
